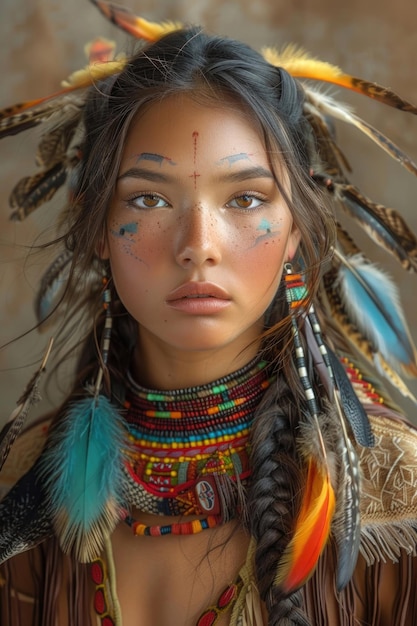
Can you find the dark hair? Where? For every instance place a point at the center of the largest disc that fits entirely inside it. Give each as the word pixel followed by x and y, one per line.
pixel 212 69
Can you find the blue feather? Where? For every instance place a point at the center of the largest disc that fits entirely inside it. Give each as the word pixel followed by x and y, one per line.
pixel 52 286
pixel 372 301
pixel 83 468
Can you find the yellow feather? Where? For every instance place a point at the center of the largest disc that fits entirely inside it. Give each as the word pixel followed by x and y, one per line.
pixel 300 64
pixel 93 73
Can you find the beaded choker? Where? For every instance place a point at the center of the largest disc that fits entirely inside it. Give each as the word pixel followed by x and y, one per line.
pixel 190 447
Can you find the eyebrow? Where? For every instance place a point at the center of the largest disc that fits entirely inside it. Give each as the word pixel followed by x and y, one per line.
pixel 229 176
pixel 146 174
pixel 256 171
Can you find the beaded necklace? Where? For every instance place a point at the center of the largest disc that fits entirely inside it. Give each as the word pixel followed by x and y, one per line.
pixel 190 447
pixel 189 454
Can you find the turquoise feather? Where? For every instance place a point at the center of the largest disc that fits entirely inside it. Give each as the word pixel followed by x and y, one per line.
pixel 372 302
pixel 83 469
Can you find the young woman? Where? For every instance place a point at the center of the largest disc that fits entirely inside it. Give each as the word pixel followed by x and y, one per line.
pixel 212 441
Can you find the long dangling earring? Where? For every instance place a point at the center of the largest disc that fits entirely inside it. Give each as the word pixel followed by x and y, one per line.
pixel 344 408
pixel 297 297
pixel 83 464
pixel 106 336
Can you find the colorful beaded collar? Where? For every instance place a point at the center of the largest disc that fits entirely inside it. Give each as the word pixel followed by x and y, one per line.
pixel 187 444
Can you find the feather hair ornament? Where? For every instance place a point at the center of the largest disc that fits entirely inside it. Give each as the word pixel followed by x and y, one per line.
pixel 330 433
pixel 80 530
pixel 312 526
pixel 17 419
pixel 83 466
pixel 385 226
pixel 300 64
pixel 24 514
pixel 347 410
pixel 133 24
pixel 53 283
pixel 83 473
pixel 366 288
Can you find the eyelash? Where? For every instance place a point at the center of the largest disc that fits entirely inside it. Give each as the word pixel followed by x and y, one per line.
pixel 132 201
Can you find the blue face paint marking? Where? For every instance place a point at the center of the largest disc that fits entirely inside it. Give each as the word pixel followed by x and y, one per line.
pixel 125 229
pixel 156 158
pixel 130 228
pixel 265 225
pixel 232 158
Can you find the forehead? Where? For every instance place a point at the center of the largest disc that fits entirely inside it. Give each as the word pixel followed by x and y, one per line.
pixel 179 123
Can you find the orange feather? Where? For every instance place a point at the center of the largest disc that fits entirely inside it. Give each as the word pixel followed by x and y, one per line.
pixel 133 24
pixel 311 532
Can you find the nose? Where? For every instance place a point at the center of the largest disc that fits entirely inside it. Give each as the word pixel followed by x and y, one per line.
pixel 198 241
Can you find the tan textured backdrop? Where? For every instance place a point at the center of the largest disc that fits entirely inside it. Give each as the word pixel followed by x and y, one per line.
pixel 41 42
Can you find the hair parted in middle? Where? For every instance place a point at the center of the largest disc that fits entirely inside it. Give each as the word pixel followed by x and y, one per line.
pixel 217 72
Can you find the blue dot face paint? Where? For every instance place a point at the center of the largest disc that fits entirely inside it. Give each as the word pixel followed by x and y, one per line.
pixel 265 225
pixel 125 234
pixel 270 230
pixel 130 228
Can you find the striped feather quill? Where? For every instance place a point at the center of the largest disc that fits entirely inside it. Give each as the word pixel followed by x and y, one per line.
pixel 385 226
pixel 17 419
pixel 346 525
pixel 319 103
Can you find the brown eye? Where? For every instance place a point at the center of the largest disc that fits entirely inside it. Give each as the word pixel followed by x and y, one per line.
pixel 246 201
pixel 150 201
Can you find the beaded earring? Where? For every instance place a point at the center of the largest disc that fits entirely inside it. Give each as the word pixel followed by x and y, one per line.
pixel 83 465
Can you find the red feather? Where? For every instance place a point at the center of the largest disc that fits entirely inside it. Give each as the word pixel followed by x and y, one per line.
pixel 311 532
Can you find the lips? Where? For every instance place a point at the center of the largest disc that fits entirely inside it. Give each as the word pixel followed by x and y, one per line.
pixel 199 298
pixel 198 290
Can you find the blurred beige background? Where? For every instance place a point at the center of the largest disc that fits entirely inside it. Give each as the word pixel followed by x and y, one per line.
pixel 41 42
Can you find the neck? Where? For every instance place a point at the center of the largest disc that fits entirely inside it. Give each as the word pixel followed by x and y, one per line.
pixel 157 368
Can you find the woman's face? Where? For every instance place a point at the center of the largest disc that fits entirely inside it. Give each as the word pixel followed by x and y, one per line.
pixel 197 231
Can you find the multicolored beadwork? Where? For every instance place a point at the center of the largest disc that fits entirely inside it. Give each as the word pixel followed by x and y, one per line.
pixel 209 617
pixel 297 295
pixel 101 604
pixel 179 528
pixel 185 442
pixel 224 603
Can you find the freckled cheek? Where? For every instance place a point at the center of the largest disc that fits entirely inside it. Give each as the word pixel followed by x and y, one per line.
pixel 135 240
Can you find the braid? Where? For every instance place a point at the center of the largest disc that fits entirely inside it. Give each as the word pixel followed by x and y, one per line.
pixel 274 498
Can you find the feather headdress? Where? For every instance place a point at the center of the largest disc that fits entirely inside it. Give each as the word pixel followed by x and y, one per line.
pixel 60 114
